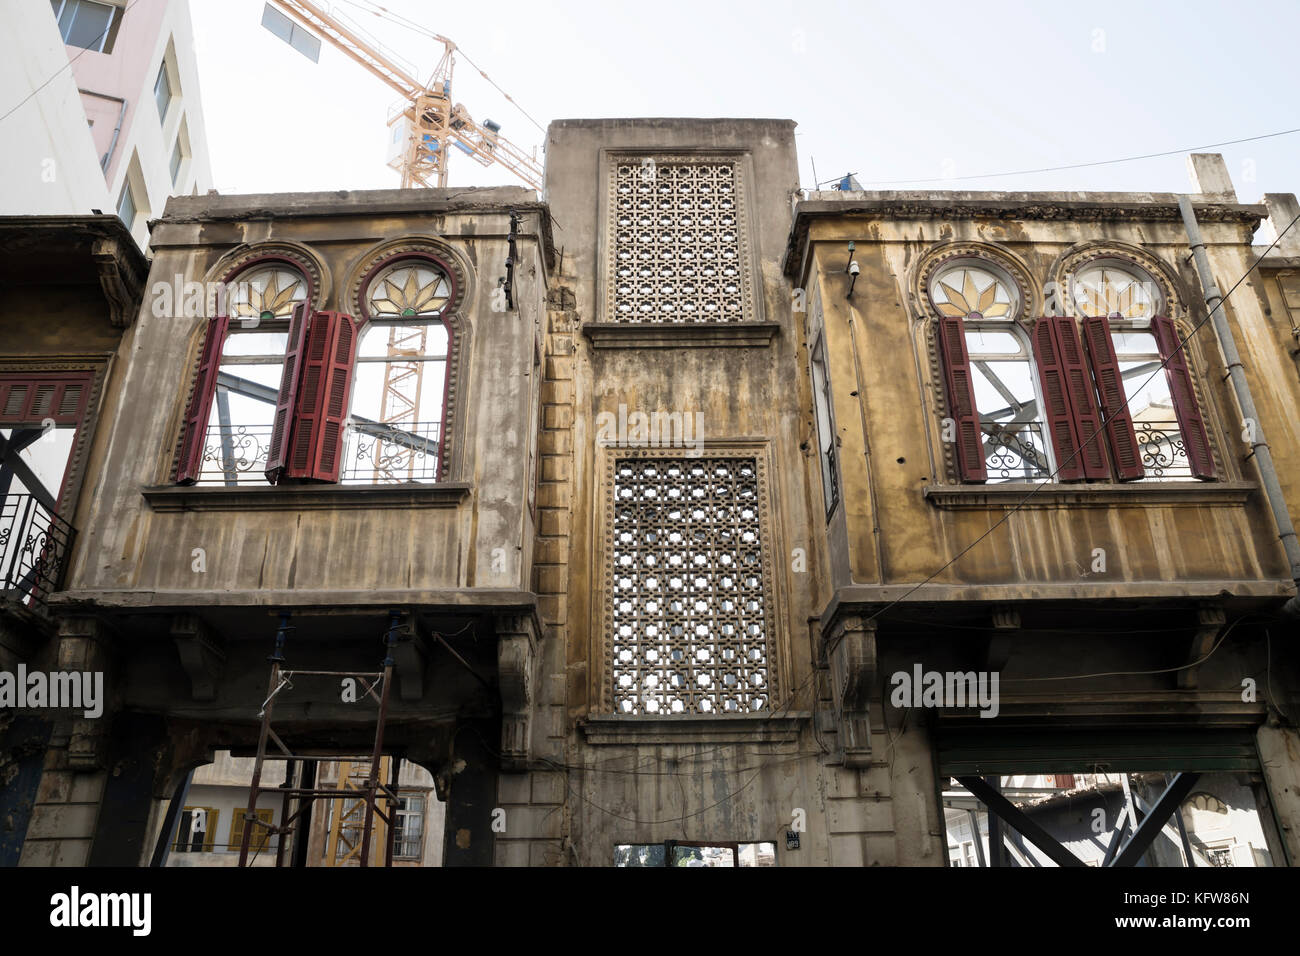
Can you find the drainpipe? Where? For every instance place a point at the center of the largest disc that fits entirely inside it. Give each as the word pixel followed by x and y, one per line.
pixel 1236 372
pixel 103 162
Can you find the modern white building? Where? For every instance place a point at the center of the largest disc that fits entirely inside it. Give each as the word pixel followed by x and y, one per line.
pixel 99 109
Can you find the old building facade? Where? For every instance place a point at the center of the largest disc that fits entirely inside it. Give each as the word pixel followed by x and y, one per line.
pixel 659 492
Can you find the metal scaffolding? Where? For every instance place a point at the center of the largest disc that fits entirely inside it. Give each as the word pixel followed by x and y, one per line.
pixel 361 793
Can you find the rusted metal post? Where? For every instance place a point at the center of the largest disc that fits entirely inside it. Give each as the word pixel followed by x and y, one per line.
pixel 376 754
pixel 276 659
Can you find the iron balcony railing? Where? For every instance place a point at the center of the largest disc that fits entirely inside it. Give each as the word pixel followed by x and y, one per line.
pixel 34 547
pixel 1018 451
pixel 373 453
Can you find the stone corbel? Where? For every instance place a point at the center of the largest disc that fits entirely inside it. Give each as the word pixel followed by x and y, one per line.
pixel 517 656
pixel 410 657
pixel 1210 619
pixel 84 646
pixel 202 653
pixel 121 286
pixel 850 649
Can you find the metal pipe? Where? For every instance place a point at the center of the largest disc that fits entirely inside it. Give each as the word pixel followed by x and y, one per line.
pixel 1245 401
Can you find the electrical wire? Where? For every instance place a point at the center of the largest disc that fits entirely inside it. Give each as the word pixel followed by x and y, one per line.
pixel 67 65
pixel 1091 165
pixel 397 19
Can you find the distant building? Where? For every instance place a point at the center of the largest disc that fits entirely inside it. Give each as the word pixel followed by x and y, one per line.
pixel 106 112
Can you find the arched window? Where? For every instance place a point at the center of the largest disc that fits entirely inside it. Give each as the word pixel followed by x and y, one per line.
pixel 1121 308
pixel 244 367
pixel 990 354
pixel 395 430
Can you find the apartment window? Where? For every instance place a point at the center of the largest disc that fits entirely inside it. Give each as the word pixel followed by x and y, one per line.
pixel 825 424
pixel 408 835
pixel 196 831
pixel 175 164
pixel 126 206
pixel 259 839
pixel 676 241
pixel 1027 400
pixel 162 91
pixel 86 24
pixel 286 393
pixel 688 609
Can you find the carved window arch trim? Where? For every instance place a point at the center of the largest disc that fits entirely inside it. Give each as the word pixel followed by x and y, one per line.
pixel 602 596
pixel 294 255
pixel 1062 273
pixel 926 327
pixel 453 317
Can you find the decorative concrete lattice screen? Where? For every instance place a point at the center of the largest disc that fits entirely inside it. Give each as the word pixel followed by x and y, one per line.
pixel 677 245
pixel 688 601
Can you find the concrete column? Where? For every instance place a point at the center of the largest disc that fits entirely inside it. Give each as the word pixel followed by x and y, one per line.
pixel 1279 757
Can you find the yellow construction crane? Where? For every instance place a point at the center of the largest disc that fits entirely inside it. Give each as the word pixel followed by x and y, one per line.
pixel 429 124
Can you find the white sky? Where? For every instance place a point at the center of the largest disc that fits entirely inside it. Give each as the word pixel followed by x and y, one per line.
pixel 886 90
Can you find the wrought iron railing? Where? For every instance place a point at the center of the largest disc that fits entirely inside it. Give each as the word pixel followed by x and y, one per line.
pixel 373 453
pixel 1163 452
pixel 34 547
pixel 235 455
pixel 1015 452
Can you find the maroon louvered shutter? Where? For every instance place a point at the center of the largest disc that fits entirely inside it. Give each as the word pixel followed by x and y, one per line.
pixel 282 427
pixel 1186 408
pixel 1124 450
pixel 1083 399
pixel 33 400
pixel 196 416
pixel 961 398
pixel 1058 410
pixel 316 447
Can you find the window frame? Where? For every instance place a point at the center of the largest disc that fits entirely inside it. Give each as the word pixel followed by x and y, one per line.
pixel 602 597
pixel 164 75
pixel 1069 335
pixel 106 39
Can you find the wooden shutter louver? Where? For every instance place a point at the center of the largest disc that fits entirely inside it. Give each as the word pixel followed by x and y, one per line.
pixel 1118 418
pixel 315 449
pixel 1187 410
pixel 195 431
pixel 961 398
pixel 282 425
pixel 33 399
pixel 1083 399
pixel 1058 411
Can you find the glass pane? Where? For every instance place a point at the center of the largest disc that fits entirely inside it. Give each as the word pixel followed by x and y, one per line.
pixel 89 24
pixel 162 91
pixel 45 452
pixel 965 289
pixel 645 854
pixel 176 161
pixel 985 343
pixel 265 294
pixel 408 289
pixel 126 207
pixel 423 340
pixel 1146 387
pixel 1003 377
pixel 1109 290
pixel 697 856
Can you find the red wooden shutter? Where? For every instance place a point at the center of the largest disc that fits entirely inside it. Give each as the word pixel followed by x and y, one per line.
pixel 282 427
pixel 1059 410
pixel 1186 408
pixel 196 416
pixel 1124 450
pixel 316 446
pixel 961 398
pixel 1083 399
pixel 33 399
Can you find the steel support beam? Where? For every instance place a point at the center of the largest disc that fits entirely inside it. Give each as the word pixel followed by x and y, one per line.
pixel 1017 820
pixel 1145 832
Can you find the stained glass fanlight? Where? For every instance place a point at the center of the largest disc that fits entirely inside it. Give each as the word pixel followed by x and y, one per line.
pixel 1106 288
pixel 266 294
pixel 408 289
pixel 967 288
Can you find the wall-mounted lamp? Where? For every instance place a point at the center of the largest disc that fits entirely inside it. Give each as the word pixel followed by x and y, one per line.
pixel 853 272
pixel 850 262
